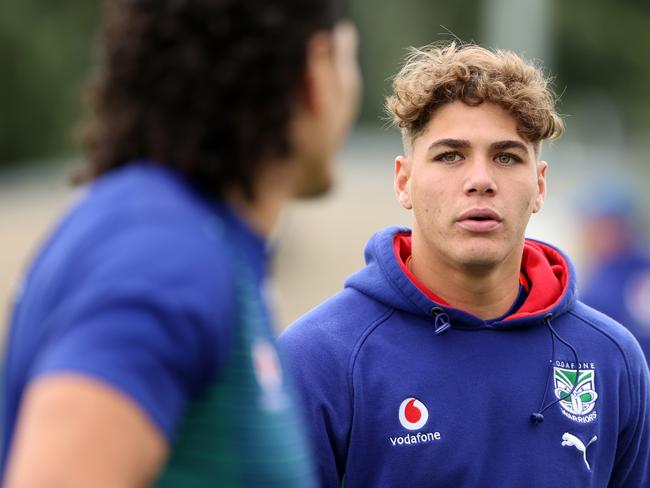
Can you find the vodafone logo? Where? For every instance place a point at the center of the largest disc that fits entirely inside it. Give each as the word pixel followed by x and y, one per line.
pixel 413 415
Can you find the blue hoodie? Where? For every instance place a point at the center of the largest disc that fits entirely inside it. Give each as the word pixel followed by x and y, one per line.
pixel 400 389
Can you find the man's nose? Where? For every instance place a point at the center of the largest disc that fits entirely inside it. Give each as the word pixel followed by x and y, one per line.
pixel 479 179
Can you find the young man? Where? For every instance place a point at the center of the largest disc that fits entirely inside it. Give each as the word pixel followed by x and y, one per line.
pixel 460 356
pixel 140 350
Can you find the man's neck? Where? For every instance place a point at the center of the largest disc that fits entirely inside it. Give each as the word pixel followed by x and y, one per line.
pixel 485 293
pixel 273 188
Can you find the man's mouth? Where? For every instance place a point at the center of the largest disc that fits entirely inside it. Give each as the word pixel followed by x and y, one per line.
pixel 480 220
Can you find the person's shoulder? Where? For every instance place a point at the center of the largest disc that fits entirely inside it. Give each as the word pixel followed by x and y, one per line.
pixel 144 195
pixel 600 321
pixel 149 211
pixel 320 349
pixel 140 230
pixel 608 330
pixel 337 325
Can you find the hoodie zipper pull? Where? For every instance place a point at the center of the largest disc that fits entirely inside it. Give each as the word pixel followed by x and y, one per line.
pixel 441 320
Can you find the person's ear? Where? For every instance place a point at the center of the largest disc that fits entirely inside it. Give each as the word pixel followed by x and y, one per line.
pixel 402 181
pixel 542 167
pixel 319 72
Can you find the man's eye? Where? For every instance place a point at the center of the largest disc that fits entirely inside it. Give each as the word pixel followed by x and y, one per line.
pixel 448 157
pixel 506 159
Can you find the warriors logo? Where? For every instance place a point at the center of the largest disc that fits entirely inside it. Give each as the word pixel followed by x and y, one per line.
pixel 578 395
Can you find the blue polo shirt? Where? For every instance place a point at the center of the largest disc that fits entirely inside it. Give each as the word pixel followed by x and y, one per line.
pixel 148 286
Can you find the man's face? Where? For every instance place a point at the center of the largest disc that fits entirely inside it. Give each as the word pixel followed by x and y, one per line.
pixel 473 183
pixel 333 86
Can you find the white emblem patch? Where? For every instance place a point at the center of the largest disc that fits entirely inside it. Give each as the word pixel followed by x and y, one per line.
pixel 578 395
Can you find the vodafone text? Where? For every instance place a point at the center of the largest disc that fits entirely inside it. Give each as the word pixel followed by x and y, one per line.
pixel 418 438
pixel 572 365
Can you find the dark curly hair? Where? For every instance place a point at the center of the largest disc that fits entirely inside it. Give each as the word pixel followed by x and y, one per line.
pixel 205 86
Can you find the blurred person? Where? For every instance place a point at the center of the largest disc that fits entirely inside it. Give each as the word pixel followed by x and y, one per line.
pixel 140 350
pixel 460 355
pixel 616 258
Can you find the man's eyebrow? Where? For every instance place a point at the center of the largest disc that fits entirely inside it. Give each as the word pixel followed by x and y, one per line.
pixel 453 143
pixel 500 145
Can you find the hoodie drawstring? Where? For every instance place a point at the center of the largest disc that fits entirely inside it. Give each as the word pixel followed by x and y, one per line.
pixel 538 417
pixel 441 321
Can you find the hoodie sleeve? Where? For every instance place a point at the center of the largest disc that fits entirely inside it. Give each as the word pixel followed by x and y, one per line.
pixel 316 360
pixel 632 464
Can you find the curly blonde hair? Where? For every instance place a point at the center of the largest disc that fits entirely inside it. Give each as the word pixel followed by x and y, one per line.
pixel 443 73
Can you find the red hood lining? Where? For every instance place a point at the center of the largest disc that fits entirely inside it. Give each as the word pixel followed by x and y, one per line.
pixel 544 274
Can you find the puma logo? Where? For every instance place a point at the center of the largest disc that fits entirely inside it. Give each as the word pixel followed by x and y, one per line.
pixel 571 440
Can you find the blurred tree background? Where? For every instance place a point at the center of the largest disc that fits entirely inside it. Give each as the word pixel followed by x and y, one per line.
pixel 596 48
pixel 45 53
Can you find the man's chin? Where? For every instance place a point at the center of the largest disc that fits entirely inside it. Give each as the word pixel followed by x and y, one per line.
pixel 313 187
pixel 480 258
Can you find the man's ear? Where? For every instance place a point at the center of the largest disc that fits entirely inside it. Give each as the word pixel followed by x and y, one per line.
pixel 319 71
pixel 542 166
pixel 402 180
